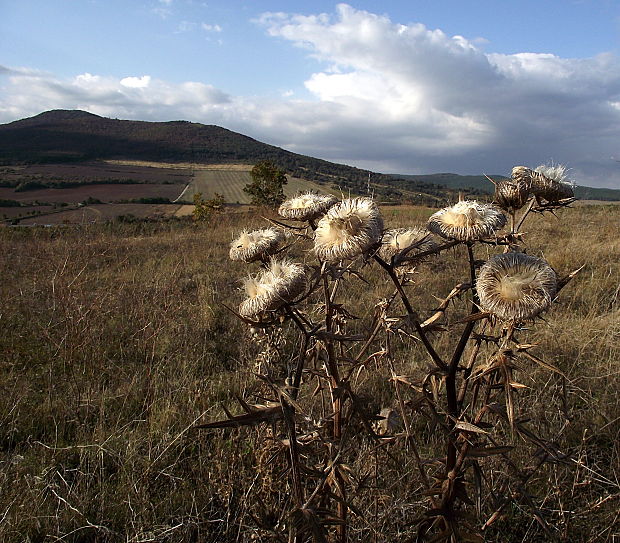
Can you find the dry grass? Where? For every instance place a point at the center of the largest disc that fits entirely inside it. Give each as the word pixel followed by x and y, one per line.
pixel 113 345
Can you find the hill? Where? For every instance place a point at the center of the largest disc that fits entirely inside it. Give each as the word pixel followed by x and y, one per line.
pixel 73 136
pixel 63 136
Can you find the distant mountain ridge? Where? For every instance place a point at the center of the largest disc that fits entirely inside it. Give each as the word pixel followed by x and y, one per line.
pixel 75 135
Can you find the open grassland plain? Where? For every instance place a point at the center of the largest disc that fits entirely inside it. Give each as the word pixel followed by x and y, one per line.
pixel 114 344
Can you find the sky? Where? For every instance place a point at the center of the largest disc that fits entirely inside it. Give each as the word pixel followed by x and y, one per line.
pixel 403 86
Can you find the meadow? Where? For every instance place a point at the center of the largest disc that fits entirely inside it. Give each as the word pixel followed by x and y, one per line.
pixel 114 345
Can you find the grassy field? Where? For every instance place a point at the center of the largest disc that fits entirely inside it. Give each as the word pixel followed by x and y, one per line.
pixel 114 344
pixel 230 183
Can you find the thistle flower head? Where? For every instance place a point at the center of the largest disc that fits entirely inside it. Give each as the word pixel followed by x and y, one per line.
pixel 307 206
pixel 516 286
pixel 467 220
pixel 398 239
pixel 281 283
pixel 551 182
pixel 512 194
pixel 348 229
pixel 255 245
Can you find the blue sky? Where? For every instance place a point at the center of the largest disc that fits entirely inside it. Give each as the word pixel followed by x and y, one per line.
pixel 396 86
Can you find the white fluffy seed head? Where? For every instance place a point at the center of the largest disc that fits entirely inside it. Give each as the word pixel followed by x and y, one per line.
pixel 516 286
pixel 467 220
pixel 551 182
pixel 281 283
pixel 348 229
pixel 307 206
pixel 398 239
pixel 255 245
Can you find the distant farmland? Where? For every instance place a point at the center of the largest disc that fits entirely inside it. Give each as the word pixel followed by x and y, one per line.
pixel 119 185
pixel 230 181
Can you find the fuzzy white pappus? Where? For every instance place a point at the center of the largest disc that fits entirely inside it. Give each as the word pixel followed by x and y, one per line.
pixel 255 245
pixel 467 220
pixel 281 283
pixel 307 206
pixel 396 240
pixel 516 286
pixel 348 229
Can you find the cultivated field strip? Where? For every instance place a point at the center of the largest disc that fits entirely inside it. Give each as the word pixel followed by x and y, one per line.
pixel 230 184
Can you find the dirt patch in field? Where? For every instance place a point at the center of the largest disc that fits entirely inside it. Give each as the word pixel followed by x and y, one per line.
pixel 99 171
pixel 104 212
pixel 104 192
pixel 182 165
pixel 16 212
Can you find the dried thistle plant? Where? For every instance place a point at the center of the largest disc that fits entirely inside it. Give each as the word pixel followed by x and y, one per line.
pixel 329 432
pixel 414 240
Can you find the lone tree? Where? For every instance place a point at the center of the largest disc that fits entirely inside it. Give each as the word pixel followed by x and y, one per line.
pixel 266 188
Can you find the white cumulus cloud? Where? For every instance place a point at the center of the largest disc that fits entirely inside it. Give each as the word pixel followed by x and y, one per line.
pixel 211 27
pixel 136 82
pixel 388 96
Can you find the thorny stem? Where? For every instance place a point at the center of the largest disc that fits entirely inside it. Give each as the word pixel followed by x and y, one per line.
pixel 302 354
pixel 413 316
pixel 451 392
pixel 332 368
pixel 401 405
pixel 525 214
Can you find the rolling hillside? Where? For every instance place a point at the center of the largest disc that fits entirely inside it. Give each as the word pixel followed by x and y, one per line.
pixel 63 136
pixel 66 136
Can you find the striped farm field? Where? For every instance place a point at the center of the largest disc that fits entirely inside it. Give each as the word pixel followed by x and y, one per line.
pixel 230 183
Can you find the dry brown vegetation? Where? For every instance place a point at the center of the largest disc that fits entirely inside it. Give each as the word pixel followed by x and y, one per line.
pixel 114 345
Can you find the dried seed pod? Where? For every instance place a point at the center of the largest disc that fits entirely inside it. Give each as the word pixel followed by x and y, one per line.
pixel 255 245
pixel 512 194
pixel 308 206
pixel 522 174
pixel 467 220
pixel 274 287
pixel 516 286
pixel 348 229
pixel 398 239
pixel 552 183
